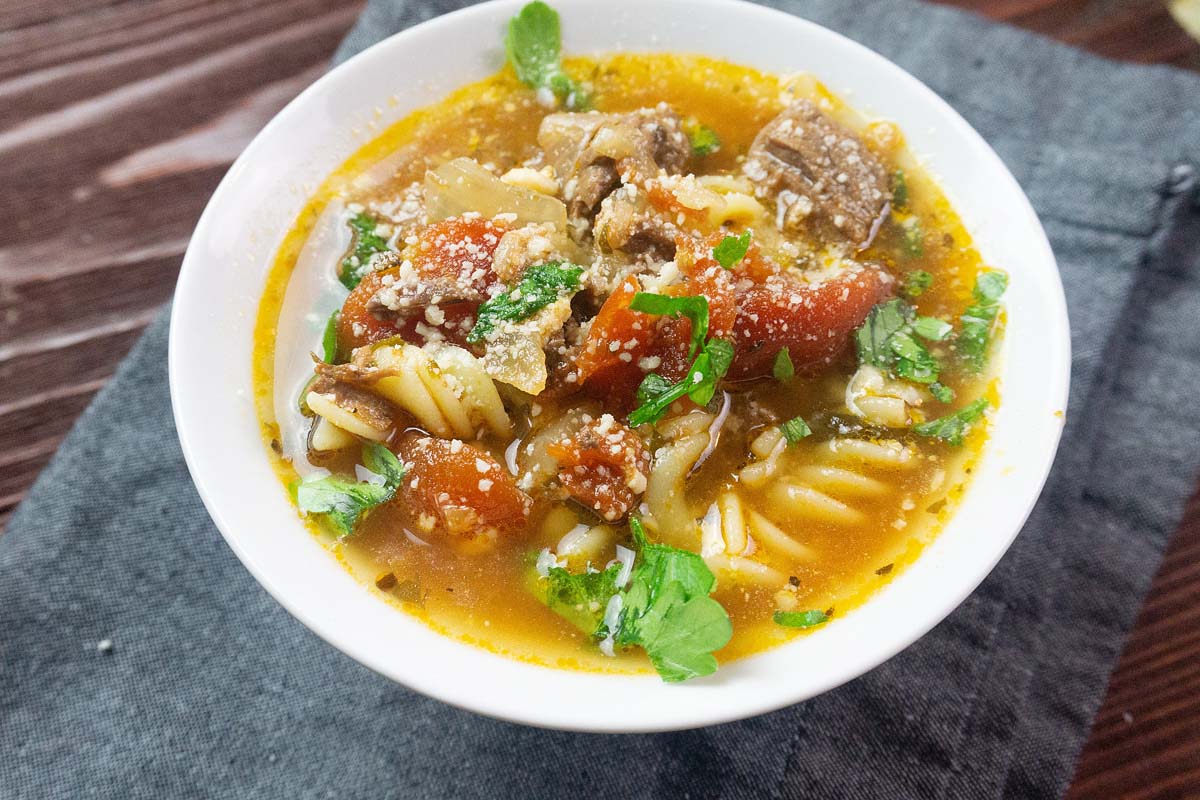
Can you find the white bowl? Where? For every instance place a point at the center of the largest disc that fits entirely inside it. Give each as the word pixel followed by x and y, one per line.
pixel 230 253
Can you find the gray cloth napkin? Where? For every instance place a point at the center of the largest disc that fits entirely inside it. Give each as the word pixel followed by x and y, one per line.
pixel 210 689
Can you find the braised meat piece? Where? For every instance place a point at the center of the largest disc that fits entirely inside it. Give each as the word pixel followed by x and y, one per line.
pixel 594 153
pixel 821 176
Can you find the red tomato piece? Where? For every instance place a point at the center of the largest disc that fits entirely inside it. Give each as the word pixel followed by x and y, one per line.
pixel 459 491
pixel 813 321
pixel 357 326
pixel 604 466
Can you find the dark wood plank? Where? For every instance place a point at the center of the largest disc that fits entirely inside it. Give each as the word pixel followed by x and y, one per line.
pixel 117 119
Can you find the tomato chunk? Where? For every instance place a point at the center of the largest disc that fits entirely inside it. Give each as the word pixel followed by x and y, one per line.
pixel 457 250
pixel 604 466
pixel 617 341
pixel 357 326
pixel 813 321
pixel 460 492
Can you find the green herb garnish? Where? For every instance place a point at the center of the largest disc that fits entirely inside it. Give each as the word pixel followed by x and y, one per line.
pixel 941 392
pixel 899 190
pixel 534 48
pixel 800 619
pixel 731 249
pixel 703 139
pixel 540 286
pixel 975 325
pixel 695 308
pixel 932 328
pixel 343 501
pixel 329 339
pixel 656 394
pixel 888 340
pixel 916 283
pixel 366 244
pixel 795 429
pixel 953 427
pixel 581 598
pixel 667 611
pixel 783 369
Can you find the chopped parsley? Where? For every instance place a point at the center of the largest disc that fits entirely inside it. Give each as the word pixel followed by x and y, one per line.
pixel 731 249
pixel 664 608
pixel 783 369
pixel 695 308
pixel 581 598
pixel 899 190
pixel 941 392
pixel 975 325
pixel 656 394
pixel 795 429
pixel 540 286
pixel 534 48
pixel 329 339
pixel 703 139
pixel 667 610
pixel 953 427
pixel 366 244
pixel 342 501
pixel 932 329
pixel 888 339
pixel 916 283
pixel 800 619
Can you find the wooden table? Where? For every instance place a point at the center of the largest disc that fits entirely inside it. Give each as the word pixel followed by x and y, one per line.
pixel 118 118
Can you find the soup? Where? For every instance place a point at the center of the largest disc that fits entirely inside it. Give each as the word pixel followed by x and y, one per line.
pixel 639 362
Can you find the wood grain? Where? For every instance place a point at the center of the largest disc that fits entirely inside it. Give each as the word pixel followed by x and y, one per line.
pixel 117 120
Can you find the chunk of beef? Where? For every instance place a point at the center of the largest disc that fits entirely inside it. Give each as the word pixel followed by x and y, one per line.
pixel 627 221
pixel 821 176
pixel 593 153
pixel 342 384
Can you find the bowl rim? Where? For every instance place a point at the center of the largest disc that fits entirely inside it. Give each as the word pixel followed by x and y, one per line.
pixel 684 713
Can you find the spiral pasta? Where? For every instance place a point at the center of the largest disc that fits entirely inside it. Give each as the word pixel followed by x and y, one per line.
pixel 444 387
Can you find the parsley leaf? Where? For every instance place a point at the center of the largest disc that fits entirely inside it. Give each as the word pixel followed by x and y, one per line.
pixel 932 328
pixel 899 190
pixel 783 369
pixel 581 598
pixel 656 394
pixel 540 286
pixel 795 429
pixel 731 249
pixel 534 48
pixel 953 427
pixel 329 339
pixel 694 308
pixel 667 611
pixel 886 340
pixel 800 619
pixel 941 392
pixel 366 244
pixel 872 339
pixel 703 139
pixel 975 324
pixel 343 501
pixel 916 283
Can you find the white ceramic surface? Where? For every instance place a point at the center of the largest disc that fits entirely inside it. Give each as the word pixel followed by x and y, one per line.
pixel 231 250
